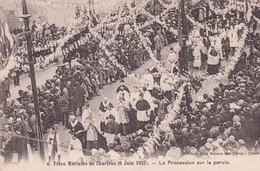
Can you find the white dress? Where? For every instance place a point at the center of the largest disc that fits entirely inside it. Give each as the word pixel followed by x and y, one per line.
pixel 197 55
pixel 50 141
pixel 148 81
pixel 233 38
pixel 172 60
pixel 123 94
pixel 166 82
pixel 85 115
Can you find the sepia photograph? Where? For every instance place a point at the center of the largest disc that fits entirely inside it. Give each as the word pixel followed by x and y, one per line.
pixel 129 85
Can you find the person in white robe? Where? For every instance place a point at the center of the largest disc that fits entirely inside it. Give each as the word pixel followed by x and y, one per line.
pixel 197 53
pixel 148 80
pixel 134 96
pixel 233 37
pixel 124 95
pixel 53 141
pixel 172 60
pixel 103 107
pixel 86 113
pixel 213 61
pixel 148 97
pixel 123 119
pixel 166 82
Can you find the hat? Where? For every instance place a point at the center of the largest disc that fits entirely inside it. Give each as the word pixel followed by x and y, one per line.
pixel 138 139
pixel 231 138
pixel 241 142
pixel 208 146
pixel 125 145
pixel 215 144
pixel 111 145
pixel 210 140
pixel 111 116
pixel 72 116
pixel 236 118
pixel 10 120
pixel 117 148
pixel 203 118
pixel 148 127
pixel 101 151
pixel 237 124
pixel 94 151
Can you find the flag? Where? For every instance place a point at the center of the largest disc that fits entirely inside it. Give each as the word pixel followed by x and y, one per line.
pixel 248 10
pixel 9 35
pixel 6 39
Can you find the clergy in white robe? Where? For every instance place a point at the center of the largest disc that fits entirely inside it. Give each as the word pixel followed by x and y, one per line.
pixel 134 96
pixel 102 111
pixel 172 60
pixel 124 95
pixel 197 53
pixel 213 61
pixel 148 80
pixel 123 119
pixel 233 37
pixel 53 141
pixel 86 113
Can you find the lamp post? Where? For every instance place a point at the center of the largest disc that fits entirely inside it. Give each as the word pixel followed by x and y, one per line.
pixel 182 36
pixel 25 16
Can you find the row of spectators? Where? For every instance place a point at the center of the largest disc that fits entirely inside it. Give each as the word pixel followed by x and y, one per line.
pixel 67 92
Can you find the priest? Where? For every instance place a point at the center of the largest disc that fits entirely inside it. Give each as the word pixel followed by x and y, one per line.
pixel 76 127
pixel 143 114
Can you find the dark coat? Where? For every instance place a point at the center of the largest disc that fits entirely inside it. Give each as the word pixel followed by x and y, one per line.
pixel 79 96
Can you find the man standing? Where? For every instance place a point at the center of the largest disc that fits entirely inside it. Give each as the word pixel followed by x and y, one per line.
pixel 76 127
pixel 123 93
pixel 158 44
pixel 173 61
pixel 79 98
pixel 111 129
pixel 143 114
pixel 134 97
pixel 64 107
pixel 88 112
pixel 7 87
pixel 148 80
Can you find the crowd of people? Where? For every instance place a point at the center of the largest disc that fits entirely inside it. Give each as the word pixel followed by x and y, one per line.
pixel 61 96
pixel 224 121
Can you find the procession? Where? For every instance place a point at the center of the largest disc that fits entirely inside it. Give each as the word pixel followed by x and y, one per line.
pixel 137 80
